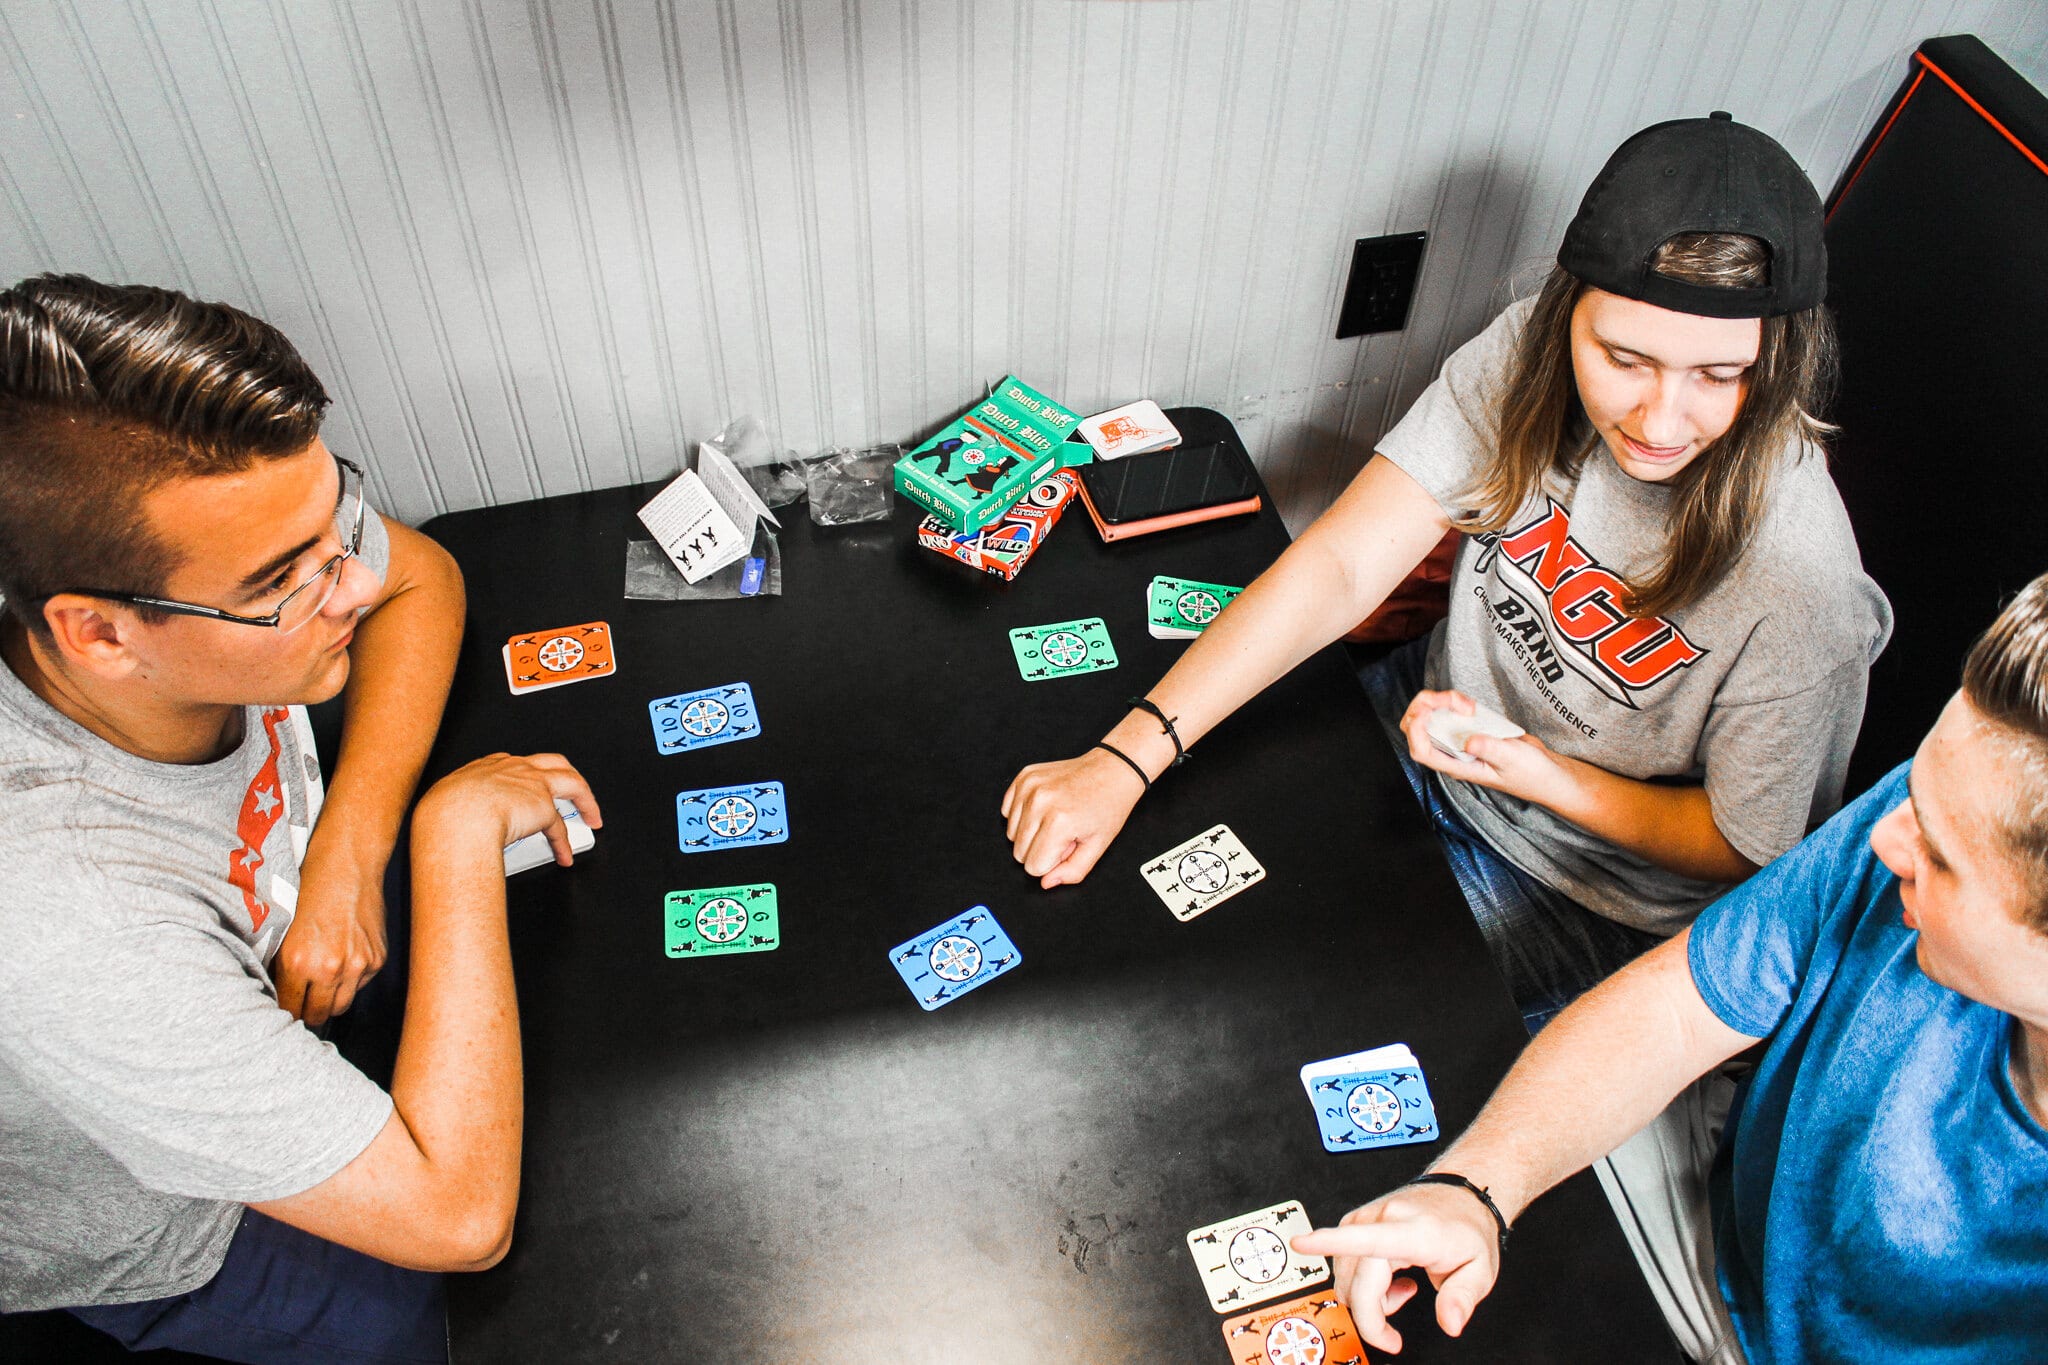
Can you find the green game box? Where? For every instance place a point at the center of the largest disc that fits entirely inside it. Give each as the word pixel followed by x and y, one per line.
pixel 977 467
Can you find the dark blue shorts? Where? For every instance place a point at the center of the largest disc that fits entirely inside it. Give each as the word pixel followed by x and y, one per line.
pixel 286 1297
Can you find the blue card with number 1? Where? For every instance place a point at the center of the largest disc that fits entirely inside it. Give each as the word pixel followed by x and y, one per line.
pixel 700 719
pixel 945 963
pixel 1362 1109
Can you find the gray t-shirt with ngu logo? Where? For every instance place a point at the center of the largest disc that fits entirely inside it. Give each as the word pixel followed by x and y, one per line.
pixel 150 1084
pixel 1756 690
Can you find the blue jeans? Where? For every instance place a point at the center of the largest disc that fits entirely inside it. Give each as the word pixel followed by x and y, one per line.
pixel 1548 947
pixel 287 1297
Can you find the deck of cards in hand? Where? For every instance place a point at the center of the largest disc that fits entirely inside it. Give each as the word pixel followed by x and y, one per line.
pixel 1376 1098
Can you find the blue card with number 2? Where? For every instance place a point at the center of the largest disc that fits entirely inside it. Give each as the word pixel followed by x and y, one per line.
pixel 700 719
pixel 945 963
pixel 729 817
pixel 1362 1109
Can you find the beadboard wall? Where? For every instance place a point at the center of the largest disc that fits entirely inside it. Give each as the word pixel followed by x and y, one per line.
pixel 536 246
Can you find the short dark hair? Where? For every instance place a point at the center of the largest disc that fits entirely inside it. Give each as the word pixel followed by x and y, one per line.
pixel 108 392
pixel 2005 679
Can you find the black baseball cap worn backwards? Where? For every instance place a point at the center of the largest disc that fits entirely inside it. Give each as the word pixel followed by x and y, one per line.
pixel 1700 175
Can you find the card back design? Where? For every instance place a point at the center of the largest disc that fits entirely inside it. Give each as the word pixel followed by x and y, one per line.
pixel 965 953
pixel 719 920
pixel 1062 650
pixel 542 659
pixel 731 817
pixel 1203 872
pixel 1312 1330
pixel 700 719
pixel 1246 1259
pixel 1363 1109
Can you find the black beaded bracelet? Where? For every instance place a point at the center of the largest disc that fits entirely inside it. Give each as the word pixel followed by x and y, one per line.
pixel 1453 1178
pixel 1180 754
pixel 1105 744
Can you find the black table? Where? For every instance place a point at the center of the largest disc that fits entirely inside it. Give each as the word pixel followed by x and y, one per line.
pixel 780 1157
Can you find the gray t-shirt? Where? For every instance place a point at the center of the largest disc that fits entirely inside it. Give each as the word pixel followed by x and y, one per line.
pixel 150 1084
pixel 1756 690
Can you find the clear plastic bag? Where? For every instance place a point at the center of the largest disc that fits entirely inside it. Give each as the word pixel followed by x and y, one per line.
pixel 774 473
pixel 651 577
pixel 850 486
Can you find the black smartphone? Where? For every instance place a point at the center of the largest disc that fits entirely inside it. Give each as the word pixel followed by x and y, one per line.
pixel 1163 482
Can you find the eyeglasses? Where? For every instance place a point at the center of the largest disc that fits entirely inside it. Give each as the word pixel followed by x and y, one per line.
pixel 303 602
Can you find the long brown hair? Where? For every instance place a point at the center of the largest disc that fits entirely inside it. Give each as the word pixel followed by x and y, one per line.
pixel 1720 496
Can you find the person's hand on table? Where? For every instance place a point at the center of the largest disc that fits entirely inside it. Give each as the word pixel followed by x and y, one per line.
pixel 1439 1229
pixel 336 941
pixel 509 796
pixel 1063 815
pixel 1523 767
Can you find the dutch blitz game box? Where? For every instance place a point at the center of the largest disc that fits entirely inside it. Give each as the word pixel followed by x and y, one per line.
pixel 979 466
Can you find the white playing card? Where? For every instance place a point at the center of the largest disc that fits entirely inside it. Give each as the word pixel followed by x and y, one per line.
pixel 1246 1259
pixel 1206 870
pixel 1448 730
pixel 1372 1059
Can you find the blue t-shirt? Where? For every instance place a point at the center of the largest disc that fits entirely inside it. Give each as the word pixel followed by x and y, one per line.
pixel 1880 1190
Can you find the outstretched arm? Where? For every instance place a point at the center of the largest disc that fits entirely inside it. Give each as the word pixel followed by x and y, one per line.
pixel 1063 815
pixel 401 662
pixel 1634 1041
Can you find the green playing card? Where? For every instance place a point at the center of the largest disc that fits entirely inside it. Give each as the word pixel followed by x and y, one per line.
pixel 722 919
pixel 1181 604
pixel 1062 649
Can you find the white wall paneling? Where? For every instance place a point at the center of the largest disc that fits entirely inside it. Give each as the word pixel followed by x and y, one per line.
pixel 542 245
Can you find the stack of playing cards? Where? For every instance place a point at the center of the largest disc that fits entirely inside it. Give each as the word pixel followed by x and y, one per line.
pixel 722 919
pixel 730 817
pixel 1448 730
pixel 1131 429
pixel 966 952
pixel 1205 871
pixel 1246 1259
pixel 542 659
pixel 1181 609
pixel 1367 1099
pixel 523 855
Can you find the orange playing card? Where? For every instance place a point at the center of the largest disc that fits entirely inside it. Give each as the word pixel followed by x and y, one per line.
pixel 1312 1330
pixel 542 659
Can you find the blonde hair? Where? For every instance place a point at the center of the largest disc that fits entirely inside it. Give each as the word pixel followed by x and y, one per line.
pixel 1540 425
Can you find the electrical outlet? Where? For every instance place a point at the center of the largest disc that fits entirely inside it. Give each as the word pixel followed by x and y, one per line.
pixel 1382 284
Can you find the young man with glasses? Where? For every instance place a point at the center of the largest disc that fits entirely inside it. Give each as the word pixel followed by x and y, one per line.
pixel 184 565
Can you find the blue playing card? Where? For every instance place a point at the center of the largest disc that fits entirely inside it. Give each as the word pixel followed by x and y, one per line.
pixel 730 817
pixel 947 962
pixel 700 719
pixel 1361 1109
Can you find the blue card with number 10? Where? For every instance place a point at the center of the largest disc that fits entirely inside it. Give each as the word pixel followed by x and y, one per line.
pixel 700 719
pixel 943 964
pixel 1364 1109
